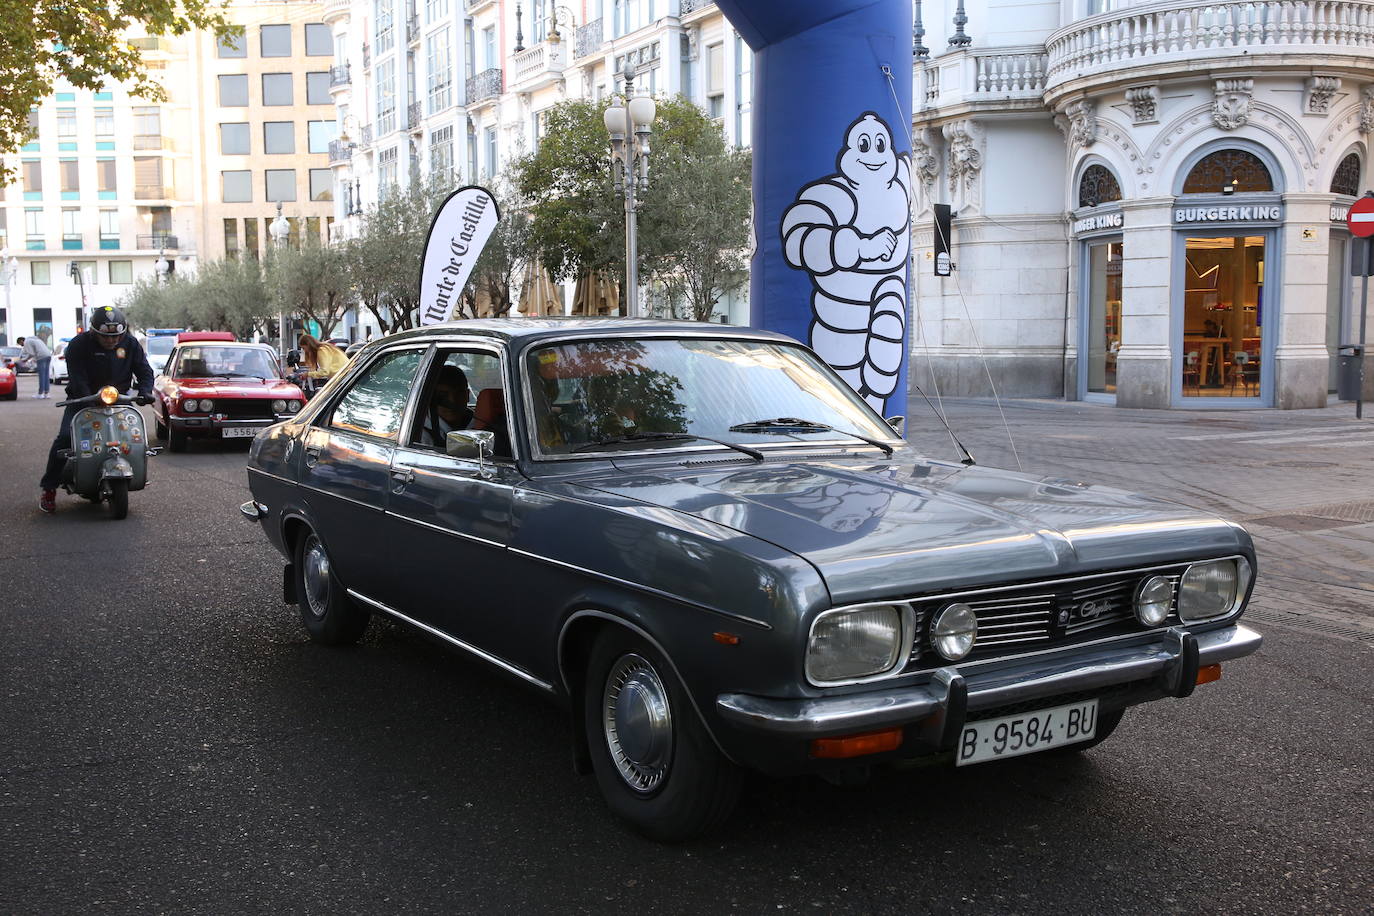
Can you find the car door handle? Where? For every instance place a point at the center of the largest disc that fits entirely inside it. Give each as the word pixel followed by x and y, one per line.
pixel 312 455
pixel 399 479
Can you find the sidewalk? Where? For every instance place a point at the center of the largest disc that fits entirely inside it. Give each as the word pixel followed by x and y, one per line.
pixel 1301 481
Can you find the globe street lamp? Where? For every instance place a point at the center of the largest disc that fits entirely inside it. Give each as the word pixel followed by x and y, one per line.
pixel 280 230
pixel 629 126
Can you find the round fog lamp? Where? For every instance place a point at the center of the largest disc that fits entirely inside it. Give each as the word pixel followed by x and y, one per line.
pixel 954 631
pixel 1153 600
pixel 293 406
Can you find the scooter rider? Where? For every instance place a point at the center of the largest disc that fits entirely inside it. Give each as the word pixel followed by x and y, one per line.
pixel 107 354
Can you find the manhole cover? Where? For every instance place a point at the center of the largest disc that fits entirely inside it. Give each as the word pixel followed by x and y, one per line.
pixel 1301 464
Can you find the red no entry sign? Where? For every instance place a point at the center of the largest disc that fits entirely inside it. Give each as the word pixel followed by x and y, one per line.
pixel 1361 218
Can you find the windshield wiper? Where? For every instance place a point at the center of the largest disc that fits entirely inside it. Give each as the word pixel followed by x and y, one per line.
pixel 667 437
pixel 792 424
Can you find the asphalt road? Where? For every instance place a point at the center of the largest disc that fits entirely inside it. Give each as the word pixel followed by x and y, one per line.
pixel 170 742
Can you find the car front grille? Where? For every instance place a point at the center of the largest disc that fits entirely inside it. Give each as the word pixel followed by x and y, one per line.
pixel 245 408
pixel 1043 615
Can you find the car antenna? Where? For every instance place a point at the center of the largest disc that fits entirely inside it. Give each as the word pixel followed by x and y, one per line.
pixel 968 456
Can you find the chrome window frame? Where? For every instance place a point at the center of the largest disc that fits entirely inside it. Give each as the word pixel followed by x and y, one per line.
pixel 322 416
pixel 481 344
pixel 538 454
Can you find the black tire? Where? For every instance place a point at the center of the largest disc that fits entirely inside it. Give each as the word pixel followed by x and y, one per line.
pixel 679 789
pixel 159 428
pixel 176 439
pixel 13 395
pixel 119 499
pixel 327 613
pixel 1106 724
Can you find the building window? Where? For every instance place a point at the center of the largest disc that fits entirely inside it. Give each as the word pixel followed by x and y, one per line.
pixel 441 152
pixel 281 185
pixel 317 88
pixel 71 224
pixel 715 80
pixel 250 237
pixel 106 176
pixel 66 122
pixel 234 139
pixel 88 272
pixel 147 127
pixel 381 15
pixel 231 238
pixel 319 42
pixel 1226 171
pixel 320 133
pixel 440 68
pixel 33 225
pixel 233 90
pixel 236 187
pixel 1097 186
pixel 121 273
pixel 436 10
pixel 278 137
pixel 40 274
pixel 148 178
pixel 109 225
pixel 1347 178
pixel 275 40
pixel 232 46
pixel 491 163
pixel 33 176
pixel 386 98
pixel 744 92
pixel 489 58
pixel 1104 314
pixel 70 175
pixel 277 89
pixel 1223 292
pixel 104 122
pixel 321 184
pixel 386 171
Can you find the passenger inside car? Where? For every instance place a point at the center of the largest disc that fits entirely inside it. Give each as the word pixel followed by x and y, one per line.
pixel 447 409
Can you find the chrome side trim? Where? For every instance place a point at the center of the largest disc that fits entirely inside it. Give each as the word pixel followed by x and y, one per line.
pixel 647 589
pixel 818 716
pixel 347 499
pixel 442 530
pixel 453 640
pixel 260 472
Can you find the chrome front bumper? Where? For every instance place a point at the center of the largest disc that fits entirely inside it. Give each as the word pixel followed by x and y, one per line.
pixel 1170 659
pixel 210 422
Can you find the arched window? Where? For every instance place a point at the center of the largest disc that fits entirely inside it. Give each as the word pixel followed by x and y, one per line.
pixel 1347 178
pixel 1097 186
pixel 1228 169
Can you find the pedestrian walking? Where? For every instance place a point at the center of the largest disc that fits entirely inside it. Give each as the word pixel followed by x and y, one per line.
pixel 37 352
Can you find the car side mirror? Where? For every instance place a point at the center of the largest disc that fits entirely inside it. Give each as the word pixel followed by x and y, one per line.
pixel 293 358
pixel 476 444
pixel 896 423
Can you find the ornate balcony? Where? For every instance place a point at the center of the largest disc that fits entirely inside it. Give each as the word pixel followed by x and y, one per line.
pixel 158 241
pixel 414 113
pixel 1011 77
pixel 340 152
pixel 340 76
pixel 1135 42
pixel 691 6
pixel 474 6
pixel 587 39
pixel 365 135
pixel 485 85
pixel 412 30
pixel 539 65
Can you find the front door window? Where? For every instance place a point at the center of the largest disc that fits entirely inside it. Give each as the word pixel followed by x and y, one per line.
pixel 1223 317
pixel 1104 315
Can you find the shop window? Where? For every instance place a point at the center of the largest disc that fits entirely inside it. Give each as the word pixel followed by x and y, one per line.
pixel 1347 178
pixel 1228 171
pixel 1104 314
pixel 1224 314
pixel 1097 186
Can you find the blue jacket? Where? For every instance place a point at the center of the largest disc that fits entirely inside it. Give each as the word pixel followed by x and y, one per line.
pixel 91 367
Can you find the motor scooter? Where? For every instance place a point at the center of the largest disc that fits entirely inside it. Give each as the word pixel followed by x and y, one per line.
pixel 109 452
pixel 299 376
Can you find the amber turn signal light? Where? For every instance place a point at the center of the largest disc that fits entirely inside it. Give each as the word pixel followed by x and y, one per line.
pixel 1208 673
pixel 857 745
pixel 725 639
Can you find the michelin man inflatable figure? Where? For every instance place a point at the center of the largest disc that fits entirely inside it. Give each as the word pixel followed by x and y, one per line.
pixel 851 232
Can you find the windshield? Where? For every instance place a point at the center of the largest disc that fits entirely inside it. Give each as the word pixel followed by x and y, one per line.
pixel 594 391
pixel 212 362
pixel 160 346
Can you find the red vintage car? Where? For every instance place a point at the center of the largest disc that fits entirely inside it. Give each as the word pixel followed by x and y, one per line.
pixel 214 386
pixel 9 383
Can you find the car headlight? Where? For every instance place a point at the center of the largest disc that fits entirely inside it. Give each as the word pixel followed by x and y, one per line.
pixel 1153 600
pixel 279 406
pixel 293 406
pixel 849 644
pixel 954 631
pixel 1211 590
pixel 190 405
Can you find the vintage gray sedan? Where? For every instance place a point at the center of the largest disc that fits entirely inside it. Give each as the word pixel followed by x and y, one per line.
pixel 719 557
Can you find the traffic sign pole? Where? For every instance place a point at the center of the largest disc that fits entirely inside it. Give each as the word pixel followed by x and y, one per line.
pixel 1360 221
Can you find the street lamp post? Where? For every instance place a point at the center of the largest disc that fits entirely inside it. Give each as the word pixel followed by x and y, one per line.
pixel 280 230
pixel 629 126
pixel 9 267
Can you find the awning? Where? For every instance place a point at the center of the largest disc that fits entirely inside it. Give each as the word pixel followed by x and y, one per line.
pixel 596 294
pixel 539 295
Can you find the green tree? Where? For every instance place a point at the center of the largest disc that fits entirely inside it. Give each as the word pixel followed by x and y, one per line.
pixel 311 281
pixel 153 303
pixel 383 263
pixel 506 253
pixel 86 44
pixel 230 295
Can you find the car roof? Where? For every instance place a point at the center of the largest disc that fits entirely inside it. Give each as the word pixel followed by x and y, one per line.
pixel 527 331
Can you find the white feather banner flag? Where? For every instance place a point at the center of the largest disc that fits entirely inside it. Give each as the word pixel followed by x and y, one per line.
pixel 461 227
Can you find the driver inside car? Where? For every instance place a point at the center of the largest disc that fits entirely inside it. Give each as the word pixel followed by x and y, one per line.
pixel 448 408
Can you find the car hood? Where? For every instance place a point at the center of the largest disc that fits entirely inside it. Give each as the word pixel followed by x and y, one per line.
pixel 235 388
pixel 873 529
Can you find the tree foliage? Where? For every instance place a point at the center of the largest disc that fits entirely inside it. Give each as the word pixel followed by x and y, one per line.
pixel 86 44
pixel 227 295
pixel 311 281
pixel 383 263
pixel 506 253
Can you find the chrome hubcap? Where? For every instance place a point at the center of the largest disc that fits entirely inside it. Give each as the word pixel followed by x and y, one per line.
pixel 316 569
pixel 638 723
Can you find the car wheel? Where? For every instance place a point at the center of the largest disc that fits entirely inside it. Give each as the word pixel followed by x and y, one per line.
pixel 1106 724
pixel 654 761
pixel 13 395
pixel 176 439
pixel 329 615
pixel 159 428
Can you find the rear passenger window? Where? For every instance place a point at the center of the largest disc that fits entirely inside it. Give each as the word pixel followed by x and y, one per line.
pixel 373 405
